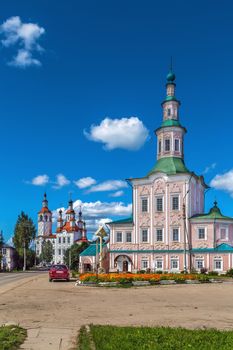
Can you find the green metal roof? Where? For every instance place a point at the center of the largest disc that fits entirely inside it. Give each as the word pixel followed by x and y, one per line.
pixel 214 214
pixel 169 166
pixel 169 123
pixel 91 250
pixel 122 221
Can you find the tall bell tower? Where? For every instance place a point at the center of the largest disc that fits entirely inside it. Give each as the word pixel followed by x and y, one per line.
pixel 44 219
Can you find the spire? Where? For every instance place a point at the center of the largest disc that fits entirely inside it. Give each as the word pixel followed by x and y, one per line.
pixel 45 201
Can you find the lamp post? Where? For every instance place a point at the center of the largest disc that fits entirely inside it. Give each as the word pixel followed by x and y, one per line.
pixel 185 233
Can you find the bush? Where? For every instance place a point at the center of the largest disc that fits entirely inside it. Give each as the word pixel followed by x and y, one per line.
pixel 203 270
pixel 229 273
pixel 213 273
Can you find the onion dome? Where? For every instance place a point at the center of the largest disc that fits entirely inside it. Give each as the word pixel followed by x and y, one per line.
pixel 170 77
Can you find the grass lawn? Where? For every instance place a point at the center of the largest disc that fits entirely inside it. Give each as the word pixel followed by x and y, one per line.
pixel 11 337
pixel 145 338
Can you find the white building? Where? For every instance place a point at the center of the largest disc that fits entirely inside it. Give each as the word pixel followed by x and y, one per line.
pixel 69 231
pixel 8 261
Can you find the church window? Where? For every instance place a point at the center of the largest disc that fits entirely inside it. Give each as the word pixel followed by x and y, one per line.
pixel 119 237
pixel 128 237
pixel 64 239
pixel 201 233
pixel 159 235
pixel 159 203
pixel 167 145
pixel 199 264
pixel 144 264
pixel 174 264
pixel 175 235
pixel 177 145
pixel 169 112
pixel 175 202
pixel 46 217
pixel 53 251
pixel 218 264
pixel 59 251
pixel 41 217
pixel 4 251
pixel 144 205
pixel 68 240
pixel 159 264
pixel 160 146
pixel 59 240
pixel 144 235
pixel 223 233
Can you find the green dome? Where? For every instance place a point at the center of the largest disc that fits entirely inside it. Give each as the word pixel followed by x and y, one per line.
pixel 171 77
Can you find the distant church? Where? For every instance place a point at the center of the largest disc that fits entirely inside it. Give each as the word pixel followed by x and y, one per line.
pixel 69 230
pixel 168 229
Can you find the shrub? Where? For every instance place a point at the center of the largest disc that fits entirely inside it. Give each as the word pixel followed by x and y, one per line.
pixel 203 270
pixel 229 273
pixel 213 273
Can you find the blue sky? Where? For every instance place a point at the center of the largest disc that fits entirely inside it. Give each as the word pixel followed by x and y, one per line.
pixel 87 61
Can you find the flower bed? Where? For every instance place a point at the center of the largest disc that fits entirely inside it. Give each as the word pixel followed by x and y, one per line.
pixel 153 278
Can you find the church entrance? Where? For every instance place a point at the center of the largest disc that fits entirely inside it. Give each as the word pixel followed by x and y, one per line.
pixel 125 266
pixel 123 263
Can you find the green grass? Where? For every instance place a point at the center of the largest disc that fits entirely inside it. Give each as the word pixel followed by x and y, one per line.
pixel 11 337
pixel 160 338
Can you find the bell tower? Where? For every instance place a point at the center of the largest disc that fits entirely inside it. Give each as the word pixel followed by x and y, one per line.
pixel 44 219
pixel 171 134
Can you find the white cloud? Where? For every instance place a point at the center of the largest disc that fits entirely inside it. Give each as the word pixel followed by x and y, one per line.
pixel 85 182
pixel 125 133
pixel 61 181
pixel 98 213
pixel 116 194
pixel 223 182
pixel 25 36
pixel 209 168
pixel 40 180
pixel 110 185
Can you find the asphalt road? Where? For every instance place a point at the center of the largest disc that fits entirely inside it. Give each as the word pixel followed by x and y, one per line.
pixel 8 277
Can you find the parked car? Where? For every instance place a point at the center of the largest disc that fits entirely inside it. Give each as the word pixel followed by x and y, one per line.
pixel 59 272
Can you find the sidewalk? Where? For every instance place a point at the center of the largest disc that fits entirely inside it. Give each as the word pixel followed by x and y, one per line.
pixel 50 338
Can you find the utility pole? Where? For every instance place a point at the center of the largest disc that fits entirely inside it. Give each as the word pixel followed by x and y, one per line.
pixel 69 258
pixel 24 255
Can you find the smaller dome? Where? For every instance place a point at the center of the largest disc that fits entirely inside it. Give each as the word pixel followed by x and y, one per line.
pixel 171 77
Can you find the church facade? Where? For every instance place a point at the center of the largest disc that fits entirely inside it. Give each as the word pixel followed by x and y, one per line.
pixel 168 229
pixel 69 230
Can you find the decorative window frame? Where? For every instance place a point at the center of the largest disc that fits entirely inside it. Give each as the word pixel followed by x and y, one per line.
pixel 197 235
pixel 159 197
pixel 126 241
pixel 177 139
pixel 148 202
pixel 173 195
pixel 117 237
pixel 178 228
pixel 162 229
pixel 148 234
pixel 144 259
pixel 155 264
pixel 218 258
pixel 170 145
pixel 178 263
pixel 226 227
pixel 199 259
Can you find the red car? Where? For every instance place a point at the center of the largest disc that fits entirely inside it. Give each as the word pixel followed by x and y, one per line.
pixel 59 272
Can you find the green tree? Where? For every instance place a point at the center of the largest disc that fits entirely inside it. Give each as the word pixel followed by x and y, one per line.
pixel 1 245
pixel 47 252
pixel 24 234
pixel 72 254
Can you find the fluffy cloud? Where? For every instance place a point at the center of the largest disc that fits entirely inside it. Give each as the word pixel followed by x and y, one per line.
pixel 110 185
pixel 85 182
pixel 223 182
pixel 40 180
pixel 125 133
pixel 25 36
pixel 209 168
pixel 61 181
pixel 116 194
pixel 98 213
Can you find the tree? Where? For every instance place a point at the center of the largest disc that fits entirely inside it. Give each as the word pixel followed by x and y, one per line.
pixel 1 245
pixel 24 233
pixel 47 252
pixel 71 257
